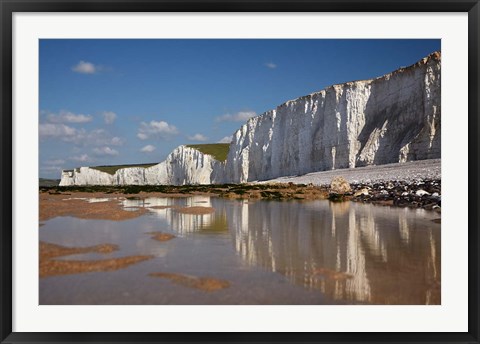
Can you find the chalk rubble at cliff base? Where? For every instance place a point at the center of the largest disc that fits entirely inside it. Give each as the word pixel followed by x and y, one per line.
pixel 390 119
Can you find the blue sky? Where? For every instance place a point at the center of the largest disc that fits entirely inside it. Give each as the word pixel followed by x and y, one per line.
pixel 105 102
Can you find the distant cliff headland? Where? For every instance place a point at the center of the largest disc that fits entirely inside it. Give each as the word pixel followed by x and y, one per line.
pixel 392 118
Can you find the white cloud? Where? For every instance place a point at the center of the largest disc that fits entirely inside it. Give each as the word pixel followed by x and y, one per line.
pixel 147 149
pixel 156 129
pixel 81 158
pixel 197 137
pixel 54 162
pixel 270 65
pixel 60 131
pixel 241 116
pixel 102 151
pixel 68 117
pixel 84 67
pixel 116 141
pixel 226 139
pixel 51 169
pixel 95 137
pixel 52 166
pixel 109 117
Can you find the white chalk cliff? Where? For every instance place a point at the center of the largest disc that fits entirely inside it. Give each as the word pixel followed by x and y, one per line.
pixel 184 165
pixel 393 118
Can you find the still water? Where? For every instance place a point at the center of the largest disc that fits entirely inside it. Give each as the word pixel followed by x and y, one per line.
pixel 270 252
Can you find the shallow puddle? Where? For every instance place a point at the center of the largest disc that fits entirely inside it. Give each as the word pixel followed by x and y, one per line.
pixel 237 252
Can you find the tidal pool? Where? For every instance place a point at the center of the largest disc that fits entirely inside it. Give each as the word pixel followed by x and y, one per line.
pixel 253 252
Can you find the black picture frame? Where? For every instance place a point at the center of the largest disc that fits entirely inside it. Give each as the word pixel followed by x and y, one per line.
pixel 9 7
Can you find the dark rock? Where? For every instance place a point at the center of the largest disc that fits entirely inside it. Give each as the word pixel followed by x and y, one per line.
pixel 417 194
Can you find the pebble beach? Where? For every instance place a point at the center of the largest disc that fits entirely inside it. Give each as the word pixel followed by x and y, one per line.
pixel 414 184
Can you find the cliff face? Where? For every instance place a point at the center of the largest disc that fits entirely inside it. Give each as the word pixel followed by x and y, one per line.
pixel 187 165
pixel 85 176
pixel 393 118
pixel 183 166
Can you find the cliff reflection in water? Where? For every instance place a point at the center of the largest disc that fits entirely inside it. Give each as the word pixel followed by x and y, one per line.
pixel 349 251
pixel 168 209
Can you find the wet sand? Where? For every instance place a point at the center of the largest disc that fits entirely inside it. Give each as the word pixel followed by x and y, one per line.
pixel 72 205
pixel 49 250
pixel 202 283
pixel 50 267
pixel 75 203
pixel 160 236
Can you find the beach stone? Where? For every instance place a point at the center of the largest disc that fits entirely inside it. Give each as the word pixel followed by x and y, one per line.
pixel 361 192
pixel 339 185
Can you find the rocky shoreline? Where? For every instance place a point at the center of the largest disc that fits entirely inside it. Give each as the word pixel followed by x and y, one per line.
pixel 424 194
pixel 415 184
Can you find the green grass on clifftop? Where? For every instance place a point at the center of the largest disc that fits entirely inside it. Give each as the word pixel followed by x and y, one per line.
pixel 218 150
pixel 114 168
